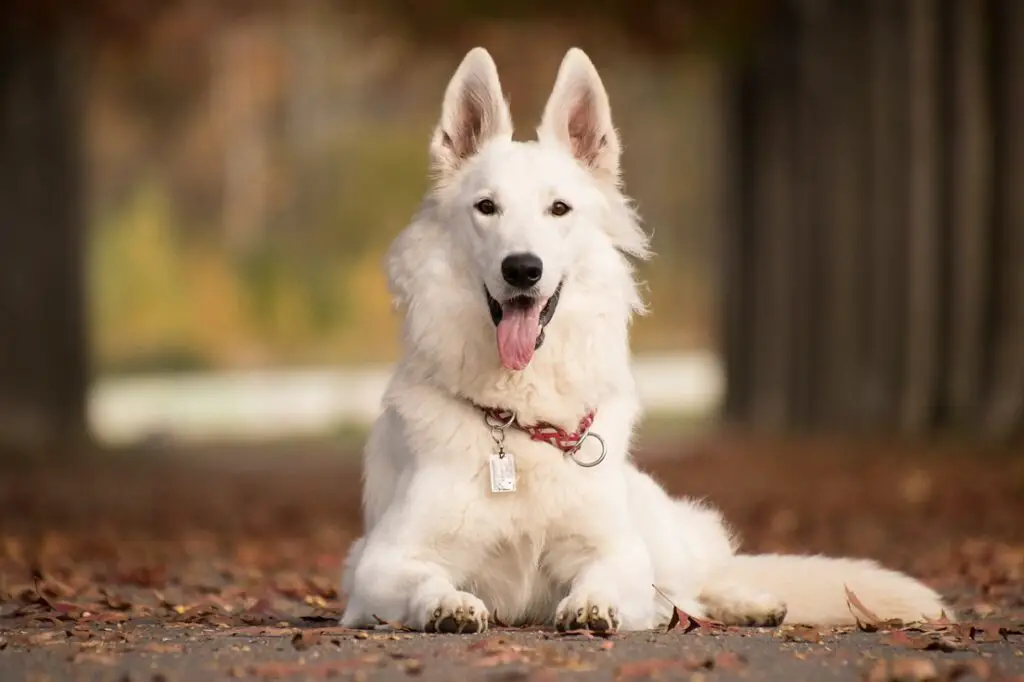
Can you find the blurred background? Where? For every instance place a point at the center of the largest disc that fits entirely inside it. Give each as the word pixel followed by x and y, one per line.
pixel 195 196
pixel 198 196
pixel 238 168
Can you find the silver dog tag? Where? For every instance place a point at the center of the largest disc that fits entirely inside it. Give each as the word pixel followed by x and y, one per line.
pixel 503 473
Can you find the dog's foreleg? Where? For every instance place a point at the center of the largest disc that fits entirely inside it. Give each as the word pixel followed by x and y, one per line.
pixel 611 590
pixel 404 585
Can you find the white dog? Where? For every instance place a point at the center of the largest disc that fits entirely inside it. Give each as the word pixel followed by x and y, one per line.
pixel 498 485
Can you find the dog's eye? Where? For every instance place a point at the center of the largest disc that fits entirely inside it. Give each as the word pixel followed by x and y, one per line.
pixel 560 208
pixel 486 207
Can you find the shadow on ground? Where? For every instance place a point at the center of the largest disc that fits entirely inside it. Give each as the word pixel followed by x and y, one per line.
pixel 224 564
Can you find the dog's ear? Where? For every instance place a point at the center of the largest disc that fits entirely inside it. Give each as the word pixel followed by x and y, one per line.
pixel 579 117
pixel 474 111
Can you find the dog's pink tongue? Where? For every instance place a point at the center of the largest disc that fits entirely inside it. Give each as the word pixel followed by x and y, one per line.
pixel 517 335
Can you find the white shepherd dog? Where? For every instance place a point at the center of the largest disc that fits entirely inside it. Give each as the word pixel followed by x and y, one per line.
pixel 498 482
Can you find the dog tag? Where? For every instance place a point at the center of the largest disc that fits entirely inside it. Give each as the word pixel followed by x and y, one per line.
pixel 503 473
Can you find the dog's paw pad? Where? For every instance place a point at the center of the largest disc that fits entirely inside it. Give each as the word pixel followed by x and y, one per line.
pixel 460 612
pixel 586 614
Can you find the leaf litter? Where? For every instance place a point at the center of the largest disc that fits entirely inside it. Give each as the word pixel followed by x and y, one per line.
pixel 89 565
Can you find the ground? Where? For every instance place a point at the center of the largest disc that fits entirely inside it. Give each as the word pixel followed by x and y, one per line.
pixel 224 565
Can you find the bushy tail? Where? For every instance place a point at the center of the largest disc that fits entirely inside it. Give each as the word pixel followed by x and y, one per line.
pixel 814 589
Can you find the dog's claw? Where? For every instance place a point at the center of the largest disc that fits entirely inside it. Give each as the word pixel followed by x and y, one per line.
pixel 592 616
pixel 459 613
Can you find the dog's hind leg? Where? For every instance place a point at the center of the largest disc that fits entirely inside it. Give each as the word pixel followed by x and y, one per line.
pixel 735 604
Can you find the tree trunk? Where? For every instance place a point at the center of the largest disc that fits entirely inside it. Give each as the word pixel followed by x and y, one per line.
pixel 42 339
pixel 880 167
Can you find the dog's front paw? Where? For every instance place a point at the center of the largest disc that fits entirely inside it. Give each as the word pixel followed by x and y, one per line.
pixel 586 613
pixel 457 612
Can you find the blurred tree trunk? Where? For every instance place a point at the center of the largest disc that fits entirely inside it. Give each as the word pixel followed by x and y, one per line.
pixel 1005 416
pixel 42 340
pixel 875 267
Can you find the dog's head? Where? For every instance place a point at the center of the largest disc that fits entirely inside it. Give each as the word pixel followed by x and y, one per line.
pixel 530 229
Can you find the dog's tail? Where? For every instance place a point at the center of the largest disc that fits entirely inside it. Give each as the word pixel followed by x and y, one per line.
pixel 819 590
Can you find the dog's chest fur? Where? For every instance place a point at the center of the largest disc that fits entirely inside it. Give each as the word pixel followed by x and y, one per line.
pixel 533 544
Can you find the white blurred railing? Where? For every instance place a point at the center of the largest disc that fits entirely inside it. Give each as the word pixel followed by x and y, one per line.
pixel 288 403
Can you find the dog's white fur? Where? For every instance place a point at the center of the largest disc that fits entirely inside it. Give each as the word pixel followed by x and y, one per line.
pixel 599 547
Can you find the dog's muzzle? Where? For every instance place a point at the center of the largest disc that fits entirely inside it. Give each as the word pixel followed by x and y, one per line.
pixel 526 302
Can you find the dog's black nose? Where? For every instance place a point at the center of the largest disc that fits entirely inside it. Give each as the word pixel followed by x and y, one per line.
pixel 522 270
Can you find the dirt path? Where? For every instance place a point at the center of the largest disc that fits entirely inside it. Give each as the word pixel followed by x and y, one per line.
pixel 225 566
pixel 156 652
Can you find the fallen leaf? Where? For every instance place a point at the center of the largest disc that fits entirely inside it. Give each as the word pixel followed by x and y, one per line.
pixel 931 642
pixel 258 632
pixel 305 639
pixel 681 618
pixel 861 613
pixel 800 633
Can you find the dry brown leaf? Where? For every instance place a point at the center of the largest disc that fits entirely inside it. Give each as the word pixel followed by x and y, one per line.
pixel 258 631
pixel 305 639
pixel 928 642
pixel 861 613
pixel 800 633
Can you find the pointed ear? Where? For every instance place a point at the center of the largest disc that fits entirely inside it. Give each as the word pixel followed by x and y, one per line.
pixel 474 111
pixel 579 117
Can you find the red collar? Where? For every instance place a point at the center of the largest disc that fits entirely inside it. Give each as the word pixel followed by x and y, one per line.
pixel 567 442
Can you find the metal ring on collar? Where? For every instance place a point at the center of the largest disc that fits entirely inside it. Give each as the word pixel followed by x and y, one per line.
pixel 594 463
pixel 488 419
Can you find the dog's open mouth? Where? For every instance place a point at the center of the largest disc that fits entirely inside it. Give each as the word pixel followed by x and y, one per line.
pixel 520 323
